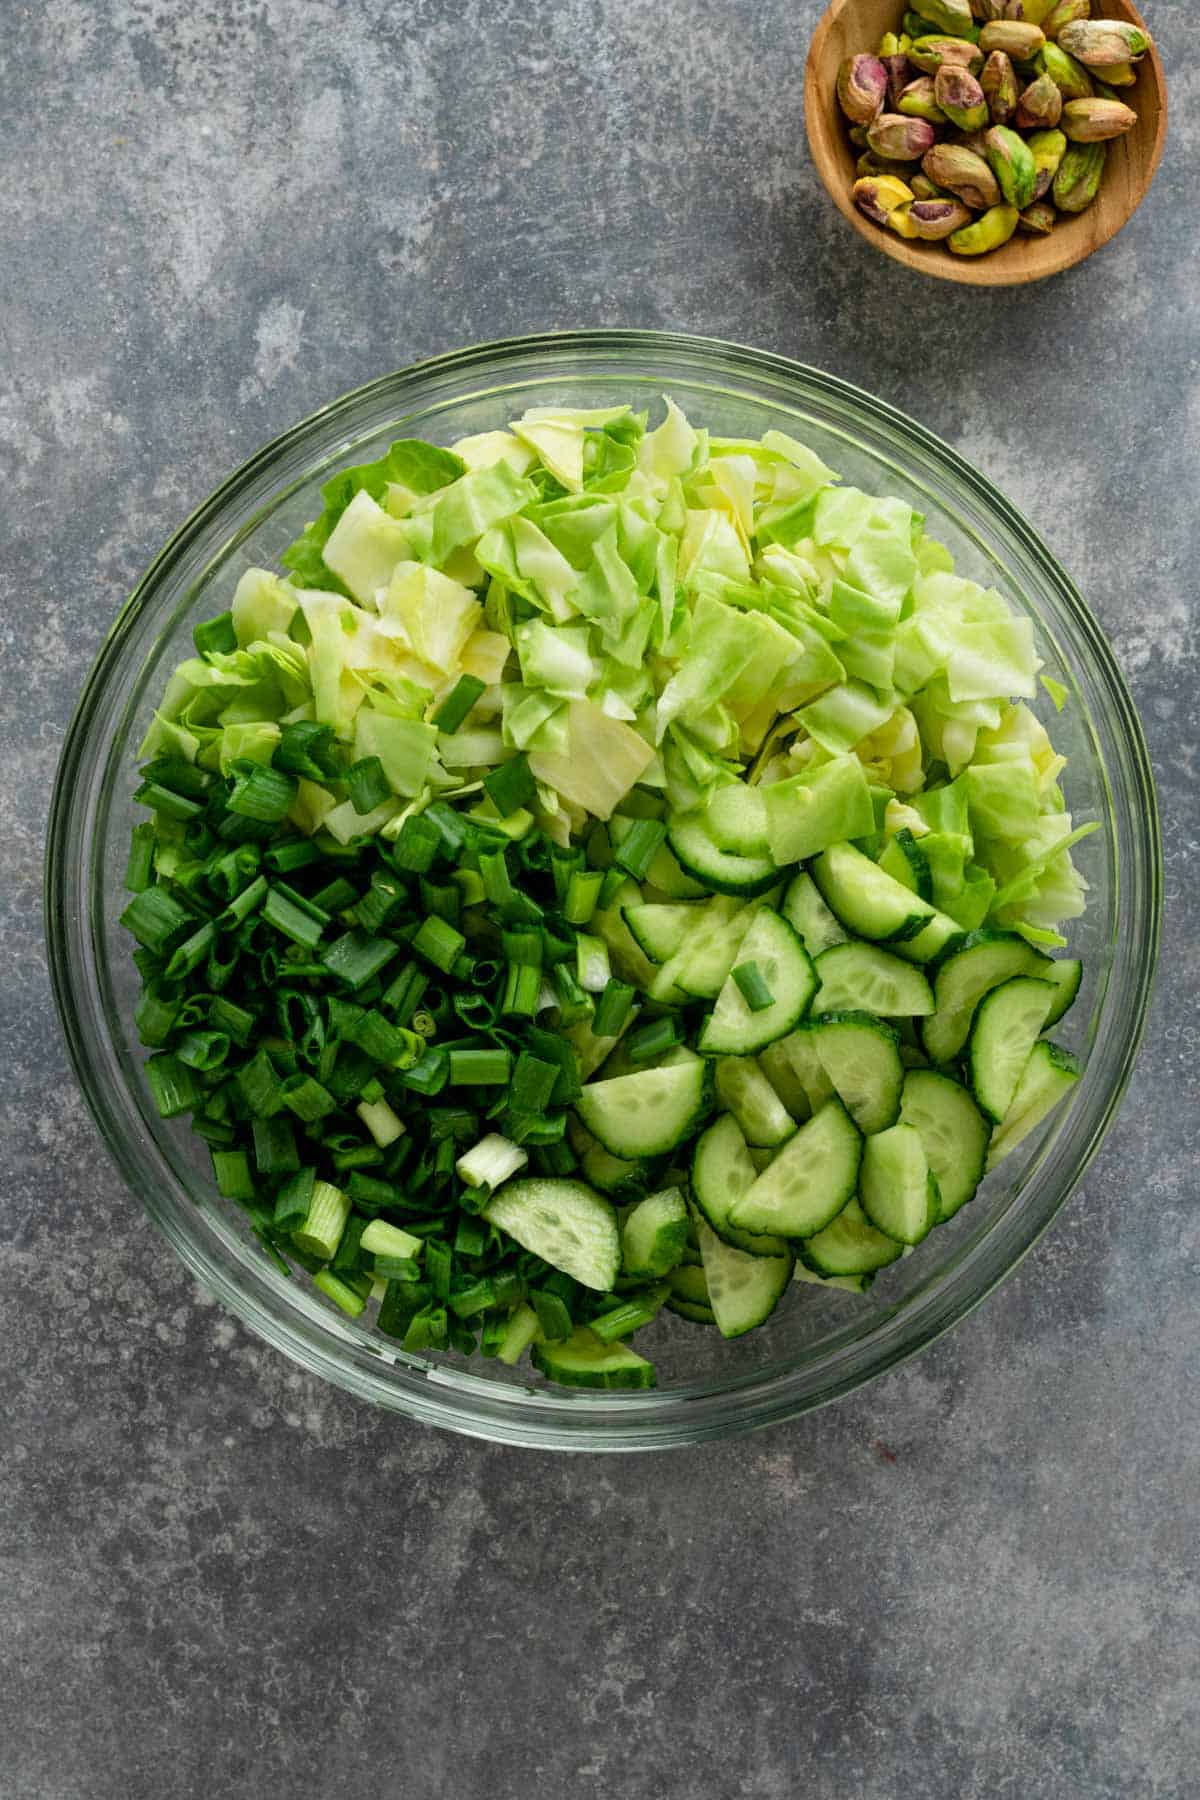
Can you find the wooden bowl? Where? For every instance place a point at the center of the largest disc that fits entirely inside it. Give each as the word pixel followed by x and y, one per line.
pixel 852 26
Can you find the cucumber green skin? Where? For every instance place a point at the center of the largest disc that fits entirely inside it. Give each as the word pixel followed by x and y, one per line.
pixel 981 1050
pixel 632 1181
pixel 689 1284
pixel 948 1027
pixel 757 876
pixel 658 950
pixel 687 1309
pixel 654 1238
pixel 1066 988
pixel 925 1088
pixel 808 915
pixel 845 1248
pixel 558 1362
pixel 824 872
pixel 1057 1073
pixel 686 1128
pixel 713 1196
pixel 908 865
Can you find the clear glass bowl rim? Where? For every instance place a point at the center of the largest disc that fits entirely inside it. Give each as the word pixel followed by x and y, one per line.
pixel 449 1397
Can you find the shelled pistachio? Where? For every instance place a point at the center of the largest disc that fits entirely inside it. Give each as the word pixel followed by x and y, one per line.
pixel 1077 182
pixel 1040 106
pixel 1037 220
pixel 1000 87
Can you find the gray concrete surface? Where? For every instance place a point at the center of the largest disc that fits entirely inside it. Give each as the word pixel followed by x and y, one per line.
pixel 975 1580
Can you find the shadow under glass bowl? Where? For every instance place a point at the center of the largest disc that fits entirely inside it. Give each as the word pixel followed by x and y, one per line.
pixel 818 1345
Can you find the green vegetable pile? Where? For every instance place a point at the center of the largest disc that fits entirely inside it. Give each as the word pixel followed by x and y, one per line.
pixel 610 865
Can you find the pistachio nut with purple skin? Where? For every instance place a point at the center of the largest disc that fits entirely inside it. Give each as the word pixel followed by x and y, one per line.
pixel 1000 87
pixel 900 139
pixel 1048 149
pixel 879 195
pixel 975 141
pixel 870 164
pixel 1069 77
pixel 929 54
pixel 1011 162
pixel 985 10
pixel 917 101
pixel 987 233
pixel 1015 37
pixel 862 86
pixel 1037 220
pixel 1103 43
pixel 1031 11
pixel 1078 179
pixel 899 74
pixel 900 221
pixel 961 172
pixel 949 15
pixel 1065 12
pixel 1040 106
pixel 1094 121
pixel 960 97
pixel 924 189
pixel 936 219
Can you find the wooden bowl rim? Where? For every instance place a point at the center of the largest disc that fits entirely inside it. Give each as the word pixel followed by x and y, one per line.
pixel 994 270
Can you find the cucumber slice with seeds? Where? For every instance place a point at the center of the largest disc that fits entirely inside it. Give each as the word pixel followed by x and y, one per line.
pixel 963 976
pixel 583 1360
pixel 566 1223
pixel 935 939
pixel 861 1056
pixel 733 1028
pixel 849 1284
pixel 807 914
pixel 1007 1024
pixel 1064 973
pixel 808 1182
pixel 864 977
pixel 721 871
pixel 1048 1077
pixel 723 1171
pixel 658 929
pixel 649 1112
pixel 953 1130
pixel 743 1290
pixel 736 820
pixel 613 1176
pixel 904 860
pixel 869 903
pixel 898 1193
pixel 745 1091
pixel 654 1235
pixel 850 1245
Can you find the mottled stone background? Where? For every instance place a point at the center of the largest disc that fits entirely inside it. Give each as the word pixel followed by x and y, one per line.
pixel 975 1579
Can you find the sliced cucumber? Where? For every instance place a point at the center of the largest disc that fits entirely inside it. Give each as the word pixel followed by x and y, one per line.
pixel 963 976
pixel 736 820
pixel 861 1056
pixel 695 1312
pixel 721 871
pixel 613 1176
pixel 1048 1077
pixel 953 1130
pixel 722 1172
pixel 660 928
pixel 654 1235
pixel 850 1245
pixel 808 1182
pixel 941 934
pixel 807 913
pixel 904 860
pixel 749 1096
pixel 690 1284
pixel 705 957
pixel 666 877
pixel 794 1060
pixel 850 1284
pixel 1064 974
pixel 743 1290
pixel 566 1223
pixel 732 1028
pixel 1007 1025
pixel 628 957
pixel 649 1112
pixel 898 1192
pixel 868 902
pixel 866 978
pixel 582 1360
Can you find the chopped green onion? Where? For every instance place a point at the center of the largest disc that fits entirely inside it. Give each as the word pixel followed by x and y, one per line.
pixel 306 748
pixel 371 1195
pixel 511 787
pixel 215 635
pixel 440 943
pixel 260 1086
pixel 307 1098
pixel 293 919
pixel 340 1292
pixel 471 889
pixel 523 948
pixel 172 1085
pixel 753 988
pixel 139 870
pixel 403 997
pixel 583 896
pixel 231 1171
pixel 493 1160
pixel 275 1151
pixel 429 1075
pixel 521 1330
pixel 653 1040
pixel 293 1200
pixel 522 987
pixel 610 887
pixel 625 1319
pixel 355 958
pixel 154 1018
pixel 479 1068
pixel 612 1009
pixel 261 793
pixel 367 784
pixel 554 1319
pixel 441 900
pixel 574 1004
pixel 248 901
pixel 640 846
pixel 156 919
pixel 191 953
pixel 471 1238
pixel 532 1083
pixel 203 1050
pixel 336 896
pixel 293 854
pixel 325 1221
pixel 166 803
pixel 591 963
pixel 380 1121
pixel 458 703
pixel 451 830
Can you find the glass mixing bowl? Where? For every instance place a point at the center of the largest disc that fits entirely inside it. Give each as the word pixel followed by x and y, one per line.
pixel 819 1345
